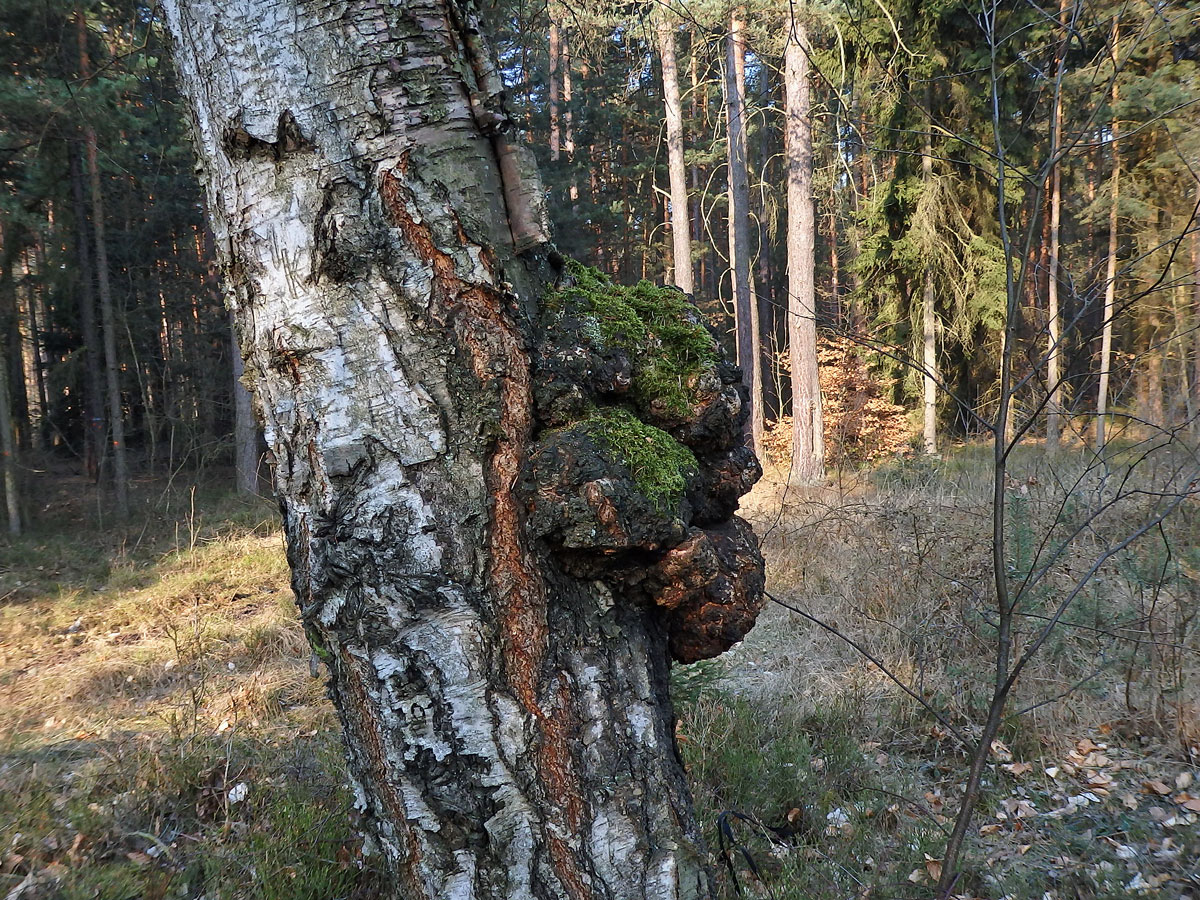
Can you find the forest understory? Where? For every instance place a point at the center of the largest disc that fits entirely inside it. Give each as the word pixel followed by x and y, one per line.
pixel 162 734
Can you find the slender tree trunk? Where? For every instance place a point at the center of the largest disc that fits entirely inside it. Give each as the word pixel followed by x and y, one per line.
pixel 554 89
pixel 36 300
pixel 808 433
pixel 745 306
pixel 8 444
pixel 929 361
pixel 30 359
pixel 93 425
pixel 569 118
pixel 1110 276
pixel 502 683
pixel 116 416
pixel 8 450
pixel 681 233
pixel 1196 311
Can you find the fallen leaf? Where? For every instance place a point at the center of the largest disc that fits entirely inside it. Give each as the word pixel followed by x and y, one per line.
pixel 1183 781
pixel 990 829
pixel 1155 787
pixel 933 867
pixel 1086 746
pixel 1018 769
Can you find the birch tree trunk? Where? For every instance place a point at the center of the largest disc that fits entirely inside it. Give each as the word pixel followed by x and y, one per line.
pixel 1053 321
pixel 745 305
pixel 1110 275
pixel 495 598
pixel 681 234
pixel 808 435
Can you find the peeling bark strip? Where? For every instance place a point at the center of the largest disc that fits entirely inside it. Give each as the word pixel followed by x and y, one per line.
pixel 503 691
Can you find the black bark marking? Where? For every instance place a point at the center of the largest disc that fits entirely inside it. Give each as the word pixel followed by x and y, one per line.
pixel 240 144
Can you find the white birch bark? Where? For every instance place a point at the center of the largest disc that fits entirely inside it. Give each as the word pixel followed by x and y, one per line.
pixel 508 726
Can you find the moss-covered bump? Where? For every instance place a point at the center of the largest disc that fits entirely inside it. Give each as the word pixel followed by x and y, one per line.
pixel 657 326
pixel 659 464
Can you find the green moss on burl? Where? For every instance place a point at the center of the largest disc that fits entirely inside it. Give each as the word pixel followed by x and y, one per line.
pixel 659 464
pixel 656 326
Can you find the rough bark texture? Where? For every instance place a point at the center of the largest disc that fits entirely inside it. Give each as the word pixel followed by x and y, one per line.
pixel 492 578
pixel 808 432
pixel 245 429
pixel 681 234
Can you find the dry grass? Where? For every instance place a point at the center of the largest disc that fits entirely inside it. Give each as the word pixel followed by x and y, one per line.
pixel 899 560
pixel 143 678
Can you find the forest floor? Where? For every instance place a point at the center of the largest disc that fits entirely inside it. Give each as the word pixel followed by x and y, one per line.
pixel 161 735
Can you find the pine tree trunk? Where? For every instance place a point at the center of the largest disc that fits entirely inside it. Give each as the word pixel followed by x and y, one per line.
pixel 1110 276
pixel 8 444
pixel 502 683
pixel 93 426
pixel 681 233
pixel 108 319
pixel 745 304
pixel 808 434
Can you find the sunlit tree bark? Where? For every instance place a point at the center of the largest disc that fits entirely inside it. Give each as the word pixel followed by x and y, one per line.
pixel 497 634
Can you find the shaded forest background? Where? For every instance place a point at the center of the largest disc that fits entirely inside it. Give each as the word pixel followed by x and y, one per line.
pixel 116 343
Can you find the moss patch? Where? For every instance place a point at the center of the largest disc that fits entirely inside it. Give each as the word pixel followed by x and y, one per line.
pixel 659 464
pixel 657 326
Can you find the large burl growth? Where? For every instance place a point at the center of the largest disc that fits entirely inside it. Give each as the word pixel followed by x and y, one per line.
pixel 639 461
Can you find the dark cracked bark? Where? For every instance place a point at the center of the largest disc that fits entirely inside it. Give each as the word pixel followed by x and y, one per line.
pixel 503 690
